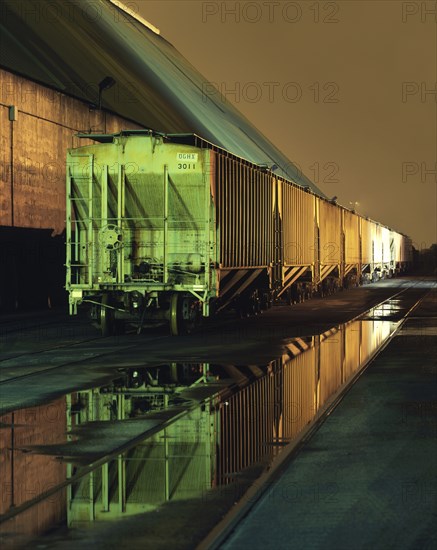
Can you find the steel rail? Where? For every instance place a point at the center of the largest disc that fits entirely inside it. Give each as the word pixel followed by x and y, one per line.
pixel 61 346
pixel 68 363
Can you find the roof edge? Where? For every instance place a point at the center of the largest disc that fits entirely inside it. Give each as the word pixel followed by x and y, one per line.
pixel 135 15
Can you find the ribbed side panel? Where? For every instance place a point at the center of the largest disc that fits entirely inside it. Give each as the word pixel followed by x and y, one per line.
pixel 352 343
pixel 272 409
pixel 330 233
pixel 298 211
pixel 395 246
pixel 299 393
pixel 385 244
pixel 245 214
pixel 330 366
pixel 373 334
pixel 406 249
pixel 247 428
pixel 401 247
pixel 352 237
pixel 377 243
pixel 366 241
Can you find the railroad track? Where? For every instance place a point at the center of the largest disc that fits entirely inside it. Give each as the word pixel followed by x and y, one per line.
pixel 117 345
pixel 38 372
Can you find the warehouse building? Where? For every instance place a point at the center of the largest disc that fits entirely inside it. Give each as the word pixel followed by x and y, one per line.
pixel 87 66
pixel 37 125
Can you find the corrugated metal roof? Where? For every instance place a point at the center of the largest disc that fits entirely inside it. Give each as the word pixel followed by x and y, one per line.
pixel 73 46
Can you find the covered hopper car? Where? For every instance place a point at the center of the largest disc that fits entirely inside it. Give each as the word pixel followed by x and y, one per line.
pixel 169 228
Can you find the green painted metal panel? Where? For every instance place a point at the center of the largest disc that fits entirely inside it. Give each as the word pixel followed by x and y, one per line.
pixel 141 213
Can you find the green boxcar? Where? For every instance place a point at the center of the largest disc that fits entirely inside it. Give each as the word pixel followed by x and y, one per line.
pixel 141 233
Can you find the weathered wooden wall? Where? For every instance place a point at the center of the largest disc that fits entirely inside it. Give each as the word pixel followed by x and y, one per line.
pixel 32 186
pixel 33 149
pixel 25 476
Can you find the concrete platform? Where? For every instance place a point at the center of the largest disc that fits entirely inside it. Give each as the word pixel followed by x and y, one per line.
pixel 367 478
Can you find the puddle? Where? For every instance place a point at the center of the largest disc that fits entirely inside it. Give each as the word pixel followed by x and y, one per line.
pixel 391 309
pixel 172 432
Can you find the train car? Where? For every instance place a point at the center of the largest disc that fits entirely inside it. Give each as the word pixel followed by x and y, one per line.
pixel 298 223
pixel 367 248
pixel 170 228
pixel 330 246
pixel 352 248
pixel 384 252
pixel 157 229
pixel 141 230
pixel 401 252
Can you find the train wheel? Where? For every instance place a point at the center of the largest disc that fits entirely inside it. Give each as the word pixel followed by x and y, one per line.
pixel 106 317
pixel 254 303
pixel 185 314
pixel 266 300
pixel 289 297
pixel 246 305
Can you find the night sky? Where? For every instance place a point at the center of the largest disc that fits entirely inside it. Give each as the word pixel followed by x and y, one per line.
pixel 346 89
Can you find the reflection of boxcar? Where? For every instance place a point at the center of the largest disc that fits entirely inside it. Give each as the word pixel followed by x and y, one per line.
pixel 296 388
pixel 160 228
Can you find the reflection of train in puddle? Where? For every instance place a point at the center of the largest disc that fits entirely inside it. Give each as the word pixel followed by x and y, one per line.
pixel 228 419
pixel 247 422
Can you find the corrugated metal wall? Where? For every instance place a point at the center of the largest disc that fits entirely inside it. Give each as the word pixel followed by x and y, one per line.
pixel 351 227
pixel 352 344
pixel 330 233
pixel 398 246
pixel 385 245
pixel 331 357
pixel 298 225
pixel 299 393
pixel 406 249
pixel 246 234
pixel 376 243
pixel 264 414
pixel 246 423
pixel 366 241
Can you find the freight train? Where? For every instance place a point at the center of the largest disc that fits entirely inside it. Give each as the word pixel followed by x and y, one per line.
pixel 169 228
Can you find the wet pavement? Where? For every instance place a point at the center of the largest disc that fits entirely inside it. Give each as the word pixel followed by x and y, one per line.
pixel 124 427
pixel 78 358
pixel 367 477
